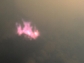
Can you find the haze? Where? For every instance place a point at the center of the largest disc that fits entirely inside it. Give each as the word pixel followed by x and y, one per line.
pixel 61 23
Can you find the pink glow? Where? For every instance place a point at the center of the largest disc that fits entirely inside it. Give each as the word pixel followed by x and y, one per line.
pixel 28 30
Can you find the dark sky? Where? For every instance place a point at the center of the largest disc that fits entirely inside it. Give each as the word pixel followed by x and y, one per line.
pixel 61 23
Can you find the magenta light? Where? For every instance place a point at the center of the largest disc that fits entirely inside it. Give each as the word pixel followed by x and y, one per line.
pixel 30 31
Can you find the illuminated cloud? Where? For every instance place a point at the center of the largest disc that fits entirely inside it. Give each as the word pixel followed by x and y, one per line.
pixel 30 31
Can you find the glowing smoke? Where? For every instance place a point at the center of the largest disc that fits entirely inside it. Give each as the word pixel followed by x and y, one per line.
pixel 30 31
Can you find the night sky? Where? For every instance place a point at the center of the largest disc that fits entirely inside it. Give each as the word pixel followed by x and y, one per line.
pixel 60 22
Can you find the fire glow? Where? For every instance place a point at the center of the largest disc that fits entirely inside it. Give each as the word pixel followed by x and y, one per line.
pixel 30 31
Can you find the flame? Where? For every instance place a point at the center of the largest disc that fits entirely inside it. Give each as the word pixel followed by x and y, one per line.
pixel 28 30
